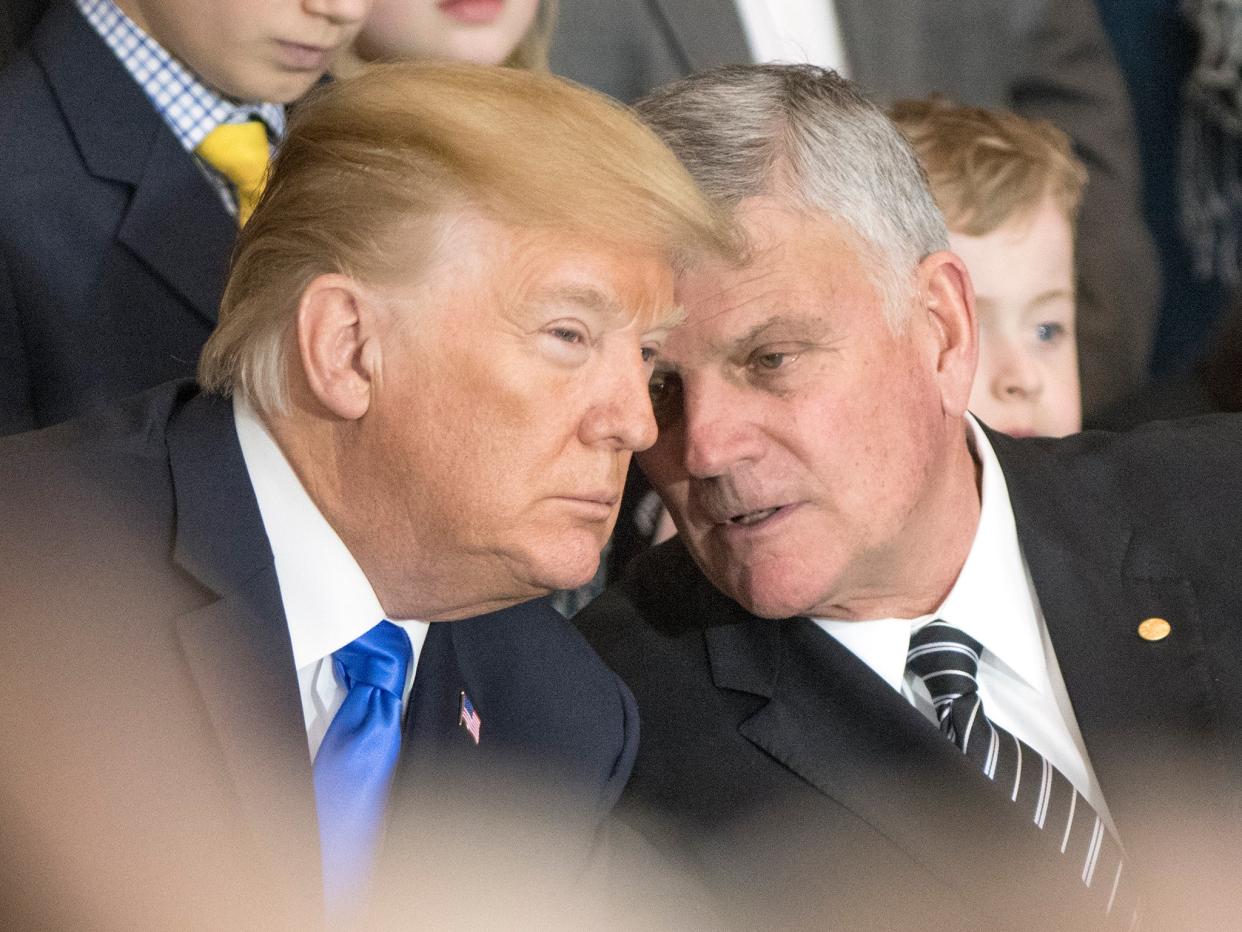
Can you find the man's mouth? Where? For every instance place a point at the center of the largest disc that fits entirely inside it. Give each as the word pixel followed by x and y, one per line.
pixel 754 517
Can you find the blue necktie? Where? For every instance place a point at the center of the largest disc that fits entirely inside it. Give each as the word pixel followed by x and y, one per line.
pixel 356 761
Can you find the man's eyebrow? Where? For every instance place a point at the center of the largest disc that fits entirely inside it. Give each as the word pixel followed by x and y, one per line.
pixel 583 295
pixel 798 326
pixel 791 327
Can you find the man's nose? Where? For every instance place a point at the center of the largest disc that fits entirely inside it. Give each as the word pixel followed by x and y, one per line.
pixel 717 429
pixel 621 415
pixel 343 12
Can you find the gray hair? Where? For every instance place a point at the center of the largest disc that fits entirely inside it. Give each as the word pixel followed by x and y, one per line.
pixel 809 136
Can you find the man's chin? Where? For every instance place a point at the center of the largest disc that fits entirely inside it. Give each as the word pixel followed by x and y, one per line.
pixel 569 568
pixel 762 584
pixel 767 598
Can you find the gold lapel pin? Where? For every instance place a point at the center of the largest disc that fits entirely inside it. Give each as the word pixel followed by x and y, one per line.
pixel 1154 629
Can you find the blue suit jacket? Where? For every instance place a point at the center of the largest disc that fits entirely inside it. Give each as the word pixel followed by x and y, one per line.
pixel 152 672
pixel 113 246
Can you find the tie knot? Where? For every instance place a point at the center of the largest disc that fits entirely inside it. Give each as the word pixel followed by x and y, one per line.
pixel 946 659
pixel 239 151
pixel 379 658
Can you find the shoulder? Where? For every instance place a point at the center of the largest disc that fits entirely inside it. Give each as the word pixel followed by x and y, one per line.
pixel 548 692
pixel 87 524
pixel 73 482
pixel 1195 457
pixel 659 608
pixel 1179 482
pixel 63 77
pixel 132 428
pixel 30 113
pixel 535 639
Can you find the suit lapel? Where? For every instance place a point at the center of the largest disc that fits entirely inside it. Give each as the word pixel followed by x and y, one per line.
pixel 174 223
pixel 434 740
pixel 1098 576
pixel 431 732
pixel 238 647
pixel 838 726
pixel 703 41
pixel 441 768
pixel 178 227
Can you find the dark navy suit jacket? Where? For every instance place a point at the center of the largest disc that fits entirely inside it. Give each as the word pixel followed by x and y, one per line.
pixel 113 246
pixel 800 783
pixel 151 693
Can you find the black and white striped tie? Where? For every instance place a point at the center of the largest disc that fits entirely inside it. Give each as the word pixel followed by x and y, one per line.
pixel 946 659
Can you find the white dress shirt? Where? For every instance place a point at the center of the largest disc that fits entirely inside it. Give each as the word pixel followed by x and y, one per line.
pixel 794 31
pixel 994 601
pixel 328 599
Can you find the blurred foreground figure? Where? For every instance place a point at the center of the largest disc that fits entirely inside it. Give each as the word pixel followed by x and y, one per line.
pixel 437 338
pixel 896 666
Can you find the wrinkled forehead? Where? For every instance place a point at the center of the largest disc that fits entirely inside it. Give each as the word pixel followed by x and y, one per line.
pixel 626 286
pixel 798 267
pixel 628 283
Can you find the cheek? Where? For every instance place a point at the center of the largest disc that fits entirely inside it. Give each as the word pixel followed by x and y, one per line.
pixel 1062 399
pixel 400 28
pixel 519 20
pixel 519 417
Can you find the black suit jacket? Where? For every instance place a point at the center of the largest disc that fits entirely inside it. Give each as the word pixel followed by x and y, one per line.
pixel 1045 59
pixel 151 713
pixel 800 783
pixel 113 246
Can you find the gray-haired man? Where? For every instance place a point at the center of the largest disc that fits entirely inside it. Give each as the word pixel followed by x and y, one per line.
pixel 896 666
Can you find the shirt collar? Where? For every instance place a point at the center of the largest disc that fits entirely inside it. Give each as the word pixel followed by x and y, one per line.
pixel 992 600
pixel 189 107
pixel 328 600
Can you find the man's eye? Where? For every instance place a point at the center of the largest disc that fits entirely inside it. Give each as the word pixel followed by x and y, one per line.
pixel 665 389
pixel 771 360
pixel 568 334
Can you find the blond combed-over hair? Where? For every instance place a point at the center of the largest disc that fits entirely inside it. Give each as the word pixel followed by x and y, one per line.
pixel 405 143
pixel 987 167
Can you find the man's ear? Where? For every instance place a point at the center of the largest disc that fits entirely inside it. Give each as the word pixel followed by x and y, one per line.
pixel 947 299
pixel 337 344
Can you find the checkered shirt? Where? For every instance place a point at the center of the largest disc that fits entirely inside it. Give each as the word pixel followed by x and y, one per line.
pixel 189 107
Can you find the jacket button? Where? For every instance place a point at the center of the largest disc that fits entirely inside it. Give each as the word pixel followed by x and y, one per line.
pixel 1154 629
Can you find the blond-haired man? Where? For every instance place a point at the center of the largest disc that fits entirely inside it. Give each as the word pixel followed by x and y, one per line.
pixel 437 338
pixel 1010 189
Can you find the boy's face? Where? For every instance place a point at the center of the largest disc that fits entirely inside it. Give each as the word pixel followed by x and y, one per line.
pixel 1023 273
pixel 252 50
pixel 482 31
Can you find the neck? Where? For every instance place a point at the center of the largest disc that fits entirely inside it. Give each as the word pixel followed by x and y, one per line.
pixel 414 576
pixel 935 542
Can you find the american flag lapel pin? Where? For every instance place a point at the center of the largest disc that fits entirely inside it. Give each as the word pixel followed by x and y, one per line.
pixel 469 718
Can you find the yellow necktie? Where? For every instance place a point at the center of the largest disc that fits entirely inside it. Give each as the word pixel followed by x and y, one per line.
pixel 239 152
